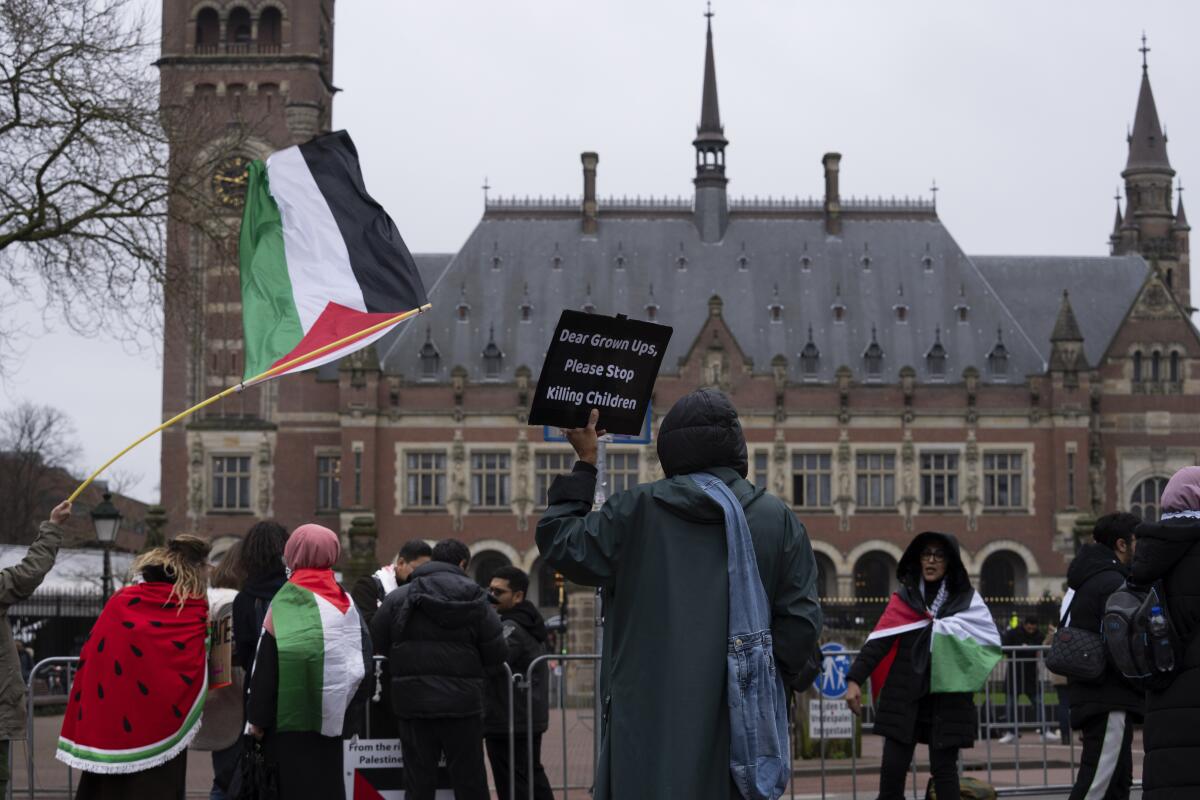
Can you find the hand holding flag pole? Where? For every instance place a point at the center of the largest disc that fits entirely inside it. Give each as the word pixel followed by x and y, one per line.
pixel 312 238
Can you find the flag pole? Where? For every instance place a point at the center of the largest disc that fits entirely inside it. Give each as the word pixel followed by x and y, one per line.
pixel 268 374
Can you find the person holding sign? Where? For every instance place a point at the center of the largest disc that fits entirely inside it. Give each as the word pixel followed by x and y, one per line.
pixel 664 553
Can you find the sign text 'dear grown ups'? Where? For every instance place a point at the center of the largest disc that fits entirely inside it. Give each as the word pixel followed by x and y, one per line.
pixel 594 361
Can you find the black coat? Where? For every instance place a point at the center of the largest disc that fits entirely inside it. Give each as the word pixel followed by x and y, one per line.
pixel 906 711
pixel 249 609
pixel 1170 551
pixel 1094 574
pixel 525 634
pixel 442 639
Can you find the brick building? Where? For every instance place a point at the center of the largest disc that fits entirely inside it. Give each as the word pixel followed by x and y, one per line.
pixel 888 381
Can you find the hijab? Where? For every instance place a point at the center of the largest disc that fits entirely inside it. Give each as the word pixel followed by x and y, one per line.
pixel 311 546
pixel 1182 495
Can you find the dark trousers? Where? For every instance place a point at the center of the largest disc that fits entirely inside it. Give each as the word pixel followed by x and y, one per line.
pixel 897 758
pixel 422 743
pixel 1106 763
pixel 497 750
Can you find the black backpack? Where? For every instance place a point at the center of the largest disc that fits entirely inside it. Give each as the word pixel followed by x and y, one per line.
pixel 1147 660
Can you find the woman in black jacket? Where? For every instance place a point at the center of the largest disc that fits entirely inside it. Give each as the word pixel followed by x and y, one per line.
pixel 933 582
pixel 1169 551
pixel 261 554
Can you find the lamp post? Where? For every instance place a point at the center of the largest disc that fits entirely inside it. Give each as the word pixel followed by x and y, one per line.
pixel 107 521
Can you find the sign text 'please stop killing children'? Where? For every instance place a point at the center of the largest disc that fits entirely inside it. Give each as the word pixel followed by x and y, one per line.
pixel 594 361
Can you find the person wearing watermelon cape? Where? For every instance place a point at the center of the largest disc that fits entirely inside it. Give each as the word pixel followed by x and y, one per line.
pixel 312 674
pixel 932 649
pixel 139 690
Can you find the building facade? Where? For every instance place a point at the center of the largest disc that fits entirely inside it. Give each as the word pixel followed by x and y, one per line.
pixel 888 382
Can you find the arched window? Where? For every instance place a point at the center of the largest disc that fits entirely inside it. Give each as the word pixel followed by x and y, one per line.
pixel 237 30
pixel 1173 369
pixel 1145 499
pixel 208 31
pixel 1155 367
pixel 483 566
pixel 270 30
pixel 1003 575
pixel 1137 366
pixel 826 576
pixel 874 575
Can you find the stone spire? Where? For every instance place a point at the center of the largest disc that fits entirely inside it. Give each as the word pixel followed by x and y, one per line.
pixel 711 203
pixel 1181 222
pixel 1066 341
pixel 1114 239
pixel 1147 143
pixel 1148 178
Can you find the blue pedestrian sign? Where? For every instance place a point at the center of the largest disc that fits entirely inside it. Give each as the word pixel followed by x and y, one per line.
pixel 832 681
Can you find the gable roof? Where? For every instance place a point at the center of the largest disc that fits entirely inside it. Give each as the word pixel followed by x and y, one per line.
pixel 1102 289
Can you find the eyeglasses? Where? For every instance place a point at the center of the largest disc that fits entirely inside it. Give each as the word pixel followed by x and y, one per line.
pixel 496 591
pixel 934 556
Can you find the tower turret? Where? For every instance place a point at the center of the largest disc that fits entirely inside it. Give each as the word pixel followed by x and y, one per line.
pixel 711 203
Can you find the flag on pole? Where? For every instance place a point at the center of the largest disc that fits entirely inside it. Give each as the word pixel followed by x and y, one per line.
pixel 964 646
pixel 321 261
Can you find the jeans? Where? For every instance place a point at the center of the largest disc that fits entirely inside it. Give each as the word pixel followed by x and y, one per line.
pixel 422 742
pixel 897 758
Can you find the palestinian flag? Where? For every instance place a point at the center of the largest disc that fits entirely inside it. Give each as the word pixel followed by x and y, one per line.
pixel 320 260
pixel 139 689
pixel 319 637
pixel 964 647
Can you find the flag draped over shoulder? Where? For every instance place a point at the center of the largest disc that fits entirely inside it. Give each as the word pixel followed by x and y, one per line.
pixel 964 647
pixel 320 259
pixel 318 634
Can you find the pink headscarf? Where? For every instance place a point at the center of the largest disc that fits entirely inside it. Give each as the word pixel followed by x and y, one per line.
pixel 1182 492
pixel 311 547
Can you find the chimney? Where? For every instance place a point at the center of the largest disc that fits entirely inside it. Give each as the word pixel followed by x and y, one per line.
pixel 833 203
pixel 590 209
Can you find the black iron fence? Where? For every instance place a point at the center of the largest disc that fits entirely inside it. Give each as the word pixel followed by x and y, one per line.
pixel 55 624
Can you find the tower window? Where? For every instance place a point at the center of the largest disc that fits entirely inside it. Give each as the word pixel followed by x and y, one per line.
pixel 805 263
pixel 839 312
pixel 1170 278
pixel 962 312
pixel 208 31
pixel 775 310
pixel 463 312
pixel 901 313
pixel 1155 366
pixel 270 30
pixel 237 29
pixel 1137 366
pixel 1174 367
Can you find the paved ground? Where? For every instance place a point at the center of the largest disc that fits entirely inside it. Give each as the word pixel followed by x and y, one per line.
pixel 1041 764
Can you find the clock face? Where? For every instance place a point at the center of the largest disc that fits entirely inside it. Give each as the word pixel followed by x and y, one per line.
pixel 229 181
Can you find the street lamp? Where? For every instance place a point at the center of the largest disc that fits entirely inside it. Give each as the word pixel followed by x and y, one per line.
pixel 107 521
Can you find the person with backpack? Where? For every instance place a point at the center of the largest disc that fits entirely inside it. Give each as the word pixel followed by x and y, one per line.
pixel 1168 557
pixel 934 646
pixel 1103 711
pixel 708 583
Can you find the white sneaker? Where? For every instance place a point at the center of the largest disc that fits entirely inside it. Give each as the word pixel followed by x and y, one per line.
pixel 1051 736
pixel 1007 738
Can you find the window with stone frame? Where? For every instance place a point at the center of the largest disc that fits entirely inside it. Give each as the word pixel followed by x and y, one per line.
pixel 425 479
pixel 622 471
pixel 761 460
pixel 1003 480
pixel 939 480
pixel 875 484
pixel 812 480
pixel 230 488
pixel 547 466
pixel 1144 502
pixel 329 482
pixel 491 477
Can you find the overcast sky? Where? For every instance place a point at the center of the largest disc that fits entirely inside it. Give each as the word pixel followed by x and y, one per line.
pixel 1018 110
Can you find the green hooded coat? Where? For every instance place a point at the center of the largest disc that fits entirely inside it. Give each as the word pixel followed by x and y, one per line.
pixel 658 550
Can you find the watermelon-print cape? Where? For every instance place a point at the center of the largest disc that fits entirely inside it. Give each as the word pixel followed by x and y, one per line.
pixel 139 692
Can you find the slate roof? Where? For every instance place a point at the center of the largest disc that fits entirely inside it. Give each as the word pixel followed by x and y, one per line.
pixel 1102 290
pixel 875 266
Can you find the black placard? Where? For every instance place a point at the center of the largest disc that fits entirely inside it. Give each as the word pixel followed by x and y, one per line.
pixel 594 361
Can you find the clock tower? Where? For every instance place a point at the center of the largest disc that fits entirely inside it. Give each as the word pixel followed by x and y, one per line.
pixel 239 80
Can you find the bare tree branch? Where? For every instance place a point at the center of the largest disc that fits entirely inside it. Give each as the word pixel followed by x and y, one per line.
pixel 36 442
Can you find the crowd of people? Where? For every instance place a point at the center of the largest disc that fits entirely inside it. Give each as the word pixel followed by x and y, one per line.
pixel 269 663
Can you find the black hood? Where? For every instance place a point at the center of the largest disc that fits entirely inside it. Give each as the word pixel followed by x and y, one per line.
pixel 1178 529
pixel 1092 559
pixel 446 594
pixel 908 571
pixel 265 586
pixel 528 617
pixel 701 431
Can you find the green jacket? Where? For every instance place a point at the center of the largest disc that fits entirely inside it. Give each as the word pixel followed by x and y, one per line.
pixel 658 550
pixel 17 583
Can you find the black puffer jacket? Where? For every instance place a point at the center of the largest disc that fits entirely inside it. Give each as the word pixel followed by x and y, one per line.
pixel 906 711
pixel 1094 574
pixel 442 639
pixel 1170 551
pixel 525 634
pixel 700 432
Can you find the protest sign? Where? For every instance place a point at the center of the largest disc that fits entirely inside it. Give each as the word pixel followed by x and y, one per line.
pixel 594 361
pixel 374 770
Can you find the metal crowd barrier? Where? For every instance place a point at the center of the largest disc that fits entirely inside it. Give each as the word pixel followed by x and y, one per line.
pixel 994 720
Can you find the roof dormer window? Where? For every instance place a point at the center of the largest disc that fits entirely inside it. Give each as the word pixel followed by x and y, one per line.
pixel 998 359
pixel 873 358
pixel 935 358
pixel 430 358
pixel 493 358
